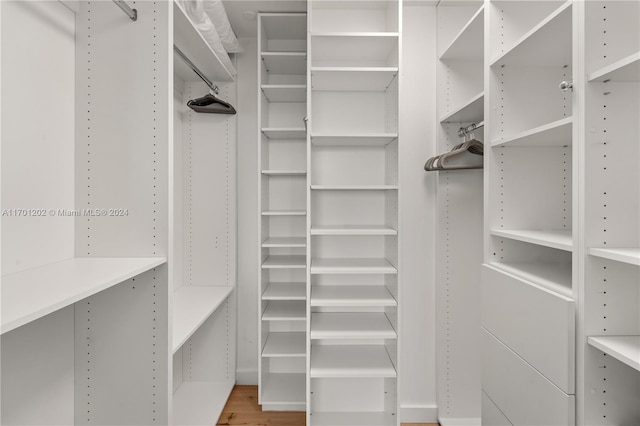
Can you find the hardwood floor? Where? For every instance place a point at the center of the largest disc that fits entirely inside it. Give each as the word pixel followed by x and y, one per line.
pixel 243 409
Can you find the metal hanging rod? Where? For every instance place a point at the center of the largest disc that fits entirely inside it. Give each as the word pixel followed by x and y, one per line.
pixel 464 131
pixel 131 13
pixel 215 89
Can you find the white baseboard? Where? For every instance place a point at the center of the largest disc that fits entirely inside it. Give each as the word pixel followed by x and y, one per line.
pixel 247 377
pixel 472 421
pixel 418 413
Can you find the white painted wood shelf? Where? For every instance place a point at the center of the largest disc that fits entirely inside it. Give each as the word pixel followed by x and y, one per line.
pixel 624 255
pixel 285 92
pixel 354 187
pixel 468 44
pixel 284 172
pixel 552 276
pixel 625 349
pixel 358 139
pixel 285 132
pixel 352 266
pixel 560 239
pixel 352 79
pixel 351 295
pixel 289 63
pixel 192 305
pixel 471 111
pixel 347 418
pixel 353 230
pixel 557 133
pixel 285 345
pixel 625 69
pixel 34 293
pixel 285 291
pixel 351 325
pixel 285 262
pixel 366 48
pixel 285 311
pixel 200 403
pixel 351 361
pixel 284 242
pixel 284 389
pixel 284 213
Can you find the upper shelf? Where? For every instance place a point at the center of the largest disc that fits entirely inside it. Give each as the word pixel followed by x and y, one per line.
pixel 625 349
pixel 626 69
pixel 285 132
pixel 624 255
pixel 189 40
pixel 285 92
pixel 290 63
pixel 557 238
pixel 557 133
pixel 468 44
pixel 354 49
pixel 359 139
pixel 352 79
pixel 471 111
pixel 32 294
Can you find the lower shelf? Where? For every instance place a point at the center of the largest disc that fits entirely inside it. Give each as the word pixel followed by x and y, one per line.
pixel 352 419
pixel 285 345
pixel 625 349
pixel 285 389
pixel 351 361
pixel 200 403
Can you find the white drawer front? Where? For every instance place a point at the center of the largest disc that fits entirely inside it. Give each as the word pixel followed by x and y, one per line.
pixel 491 414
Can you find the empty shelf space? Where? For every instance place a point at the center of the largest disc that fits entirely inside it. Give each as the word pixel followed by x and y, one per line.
pixel 284 172
pixel 200 403
pixel 284 389
pixel 284 345
pixel 352 79
pixel 354 187
pixel 351 295
pixel 552 276
pixel 34 293
pixel 470 111
pixel 192 305
pixel 284 242
pixel 285 133
pixel 624 255
pixel 345 418
pixel 284 213
pixel 346 325
pixel 626 69
pixel 548 42
pixel 285 311
pixel 353 48
pixel 284 25
pixel 288 63
pixel 362 139
pixel 625 349
pixel 351 361
pixel 468 44
pixel 353 230
pixel 352 266
pixel 557 133
pixel 285 262
pixel 285 92
pixel 560 239
pixel 285 291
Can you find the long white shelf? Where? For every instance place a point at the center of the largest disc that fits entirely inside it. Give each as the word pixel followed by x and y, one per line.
pixel 284 242
pixel 353 48
pixel 358 139
pixel 285 92
pixel 352 230
pixel 285 291
pixel 468 44
pixel 285 345
pixel 352 266
pixel 558 238
pixel 345 418
pixel 285 262
pixel 557 133
pixel 354 187
pixel 278 310
pixel 624 255
pixel 200 403
pixel 625 349
pixel 289 63
pixel 285 133
pixel 34 293
pixel 351 361
pixel 352 79
pixel 626 69
pixel 347 325
pixel 192 305
pixel 470 111
pixel 284 213
pixel 284 389
pixel 351 295
pixel 284 172
pixel 552 276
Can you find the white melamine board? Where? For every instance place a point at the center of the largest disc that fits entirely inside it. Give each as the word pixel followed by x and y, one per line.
pixel 287 63
pixel 285 291
pixel 354 187
pixel 285 262
pixel 284 388
pixel 468 44
pixel 284 213
pixel 470 111
pixel 533 322
pixel 353 49
pixel 346 418
pixel 557 133
pixel 200 403
pixel 285 133
pixel 192 305
pixel 361 139
pixel 558 238
pixel 625 349
pixel 520 391
pixel 285 311
pixel 552 276
pixel 351 361
pixel 344 325
pixel 352 79
pixel 626 69
pixel 353 230
pixel 275 242
pixel 491 415
pixel 284 172
pixel 285 345
pixel 351 295
pixel 32 294
pixel 352 266
pixel 285 92
pixel 624 255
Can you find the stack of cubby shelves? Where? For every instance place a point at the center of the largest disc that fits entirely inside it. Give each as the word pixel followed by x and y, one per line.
pixel 282 45
pixel 353 222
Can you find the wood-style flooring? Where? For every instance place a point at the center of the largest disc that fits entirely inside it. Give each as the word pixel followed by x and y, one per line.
pixel 243 409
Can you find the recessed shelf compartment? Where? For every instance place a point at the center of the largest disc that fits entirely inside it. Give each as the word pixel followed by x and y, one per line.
pixel 552 276
pixel 285 262
pixel 192 305
pixel 471 111
pixel 558 238
pixel 200 403
pixel 625 349
pixel 346 418
pixel 285 345
pixel 352 79
pixel 284 389
pixel 285 311
pixel 366 49
pixel 351 361
pixel 352 266
pixel 284 32
pixel 34 293
pixel 360 139
pixel 284 133
pixel 285 92
pixel 288 63
pixel 285 291
pixel 354 187
pixel 626 69
pixel 284 213
pixel 468 44
pixel 557 133
pixel 284 242
pixel 284 172
pixel 346 325
pixel 353 230
pixel 624 255
pixel 351 295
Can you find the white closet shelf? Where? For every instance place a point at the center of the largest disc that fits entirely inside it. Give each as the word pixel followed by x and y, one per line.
pixel 625 349
pixel 278 310
pixel 284 242
pixel 353 48
pixel 285 92
pixel 548 43
pixel 626 69
pixel 560 239
pixel 354 187
pixel 289 63
pixel 285 345
pixel 552 276
pixel 358 139
pixel 285 25
pixel 34 293
pixel 346 418
pixel 284 213
pixel 352 79
pixel 190 42
pixel 284 389
pixel 351 361
pixel 557 133
pixel 468 44
pixel 285 262
pixel 348 325
pixel 471 111
pixel 284 172
pixel 624 255
pixel 352 266
pixel 351 295
pixel 353 230
pixel 192 305
pixel 285 133
pixel 200 403
pixel 285 291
